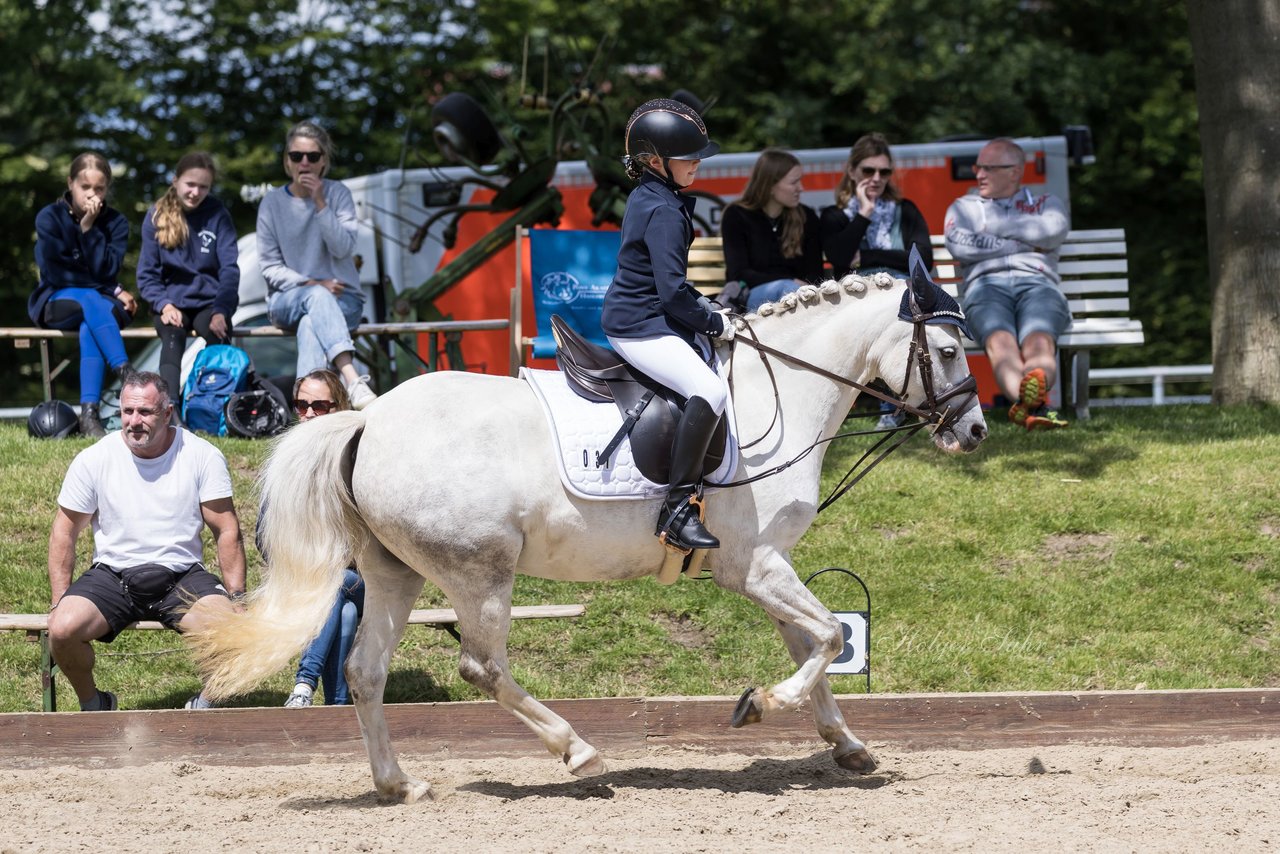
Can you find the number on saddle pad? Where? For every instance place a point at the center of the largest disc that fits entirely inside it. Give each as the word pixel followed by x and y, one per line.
pixel 220 370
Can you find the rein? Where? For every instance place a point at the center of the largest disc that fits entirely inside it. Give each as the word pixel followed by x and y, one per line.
pixel 931 416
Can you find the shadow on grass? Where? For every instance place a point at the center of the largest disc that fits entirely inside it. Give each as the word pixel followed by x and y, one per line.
pixel 1086 449
pixel 403 686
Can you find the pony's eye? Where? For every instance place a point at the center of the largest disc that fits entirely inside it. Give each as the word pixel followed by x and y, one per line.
pixel 948 353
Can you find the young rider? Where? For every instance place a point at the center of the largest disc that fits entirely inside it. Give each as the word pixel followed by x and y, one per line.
pixel 652 316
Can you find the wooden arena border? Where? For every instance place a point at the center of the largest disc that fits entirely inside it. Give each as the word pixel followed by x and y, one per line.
pixel 262 736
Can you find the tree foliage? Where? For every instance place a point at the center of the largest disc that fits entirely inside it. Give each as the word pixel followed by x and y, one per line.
pixel 148 81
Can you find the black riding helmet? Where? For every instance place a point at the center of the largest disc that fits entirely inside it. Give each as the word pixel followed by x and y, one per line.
pixel 669 129
pixel 53 419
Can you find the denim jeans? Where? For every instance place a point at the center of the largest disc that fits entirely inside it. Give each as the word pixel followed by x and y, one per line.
pixel 99 318
pixel 773 291
pixel 323 322
pixel 325 657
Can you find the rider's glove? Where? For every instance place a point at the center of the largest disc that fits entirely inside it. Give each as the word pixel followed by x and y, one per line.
pixel 726 334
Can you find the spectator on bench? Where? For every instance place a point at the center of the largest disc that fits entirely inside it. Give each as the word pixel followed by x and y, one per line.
pixel 306 248
pixel 80 244
pixel 147 491
pixel 188 271
pixel 771 241
pixel 871 227
pixel 1005 241
pixel 317 394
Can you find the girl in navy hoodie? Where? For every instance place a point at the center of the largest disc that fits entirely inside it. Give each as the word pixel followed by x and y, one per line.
pixel 80 243
pixel 188 271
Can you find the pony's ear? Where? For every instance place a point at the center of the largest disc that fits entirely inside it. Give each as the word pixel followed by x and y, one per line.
pixel 920 279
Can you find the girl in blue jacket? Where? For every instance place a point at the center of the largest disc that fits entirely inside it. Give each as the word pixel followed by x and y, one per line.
pixel 80 244
pixel 188 271
pixel 653 317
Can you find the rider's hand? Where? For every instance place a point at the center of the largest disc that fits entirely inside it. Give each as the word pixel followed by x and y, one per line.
pixel 727 333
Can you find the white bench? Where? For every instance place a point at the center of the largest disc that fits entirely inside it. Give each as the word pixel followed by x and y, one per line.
pixel 1095 278
pixel 1156 376
pixel 37 628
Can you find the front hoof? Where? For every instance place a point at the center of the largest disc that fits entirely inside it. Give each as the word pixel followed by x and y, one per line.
pixel 588 765
pixel 750 708
pixel 859 760
pixel 408 791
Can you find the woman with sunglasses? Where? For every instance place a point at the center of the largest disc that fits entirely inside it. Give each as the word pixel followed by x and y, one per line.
pixel 306 248
pixel 316 394
pixel 871 228
pixel 189 270
pixel 771 241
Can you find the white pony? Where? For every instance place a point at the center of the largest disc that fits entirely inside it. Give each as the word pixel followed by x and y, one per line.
pixel 451 477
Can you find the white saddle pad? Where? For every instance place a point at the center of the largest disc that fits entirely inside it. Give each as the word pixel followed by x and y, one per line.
pixel 581 429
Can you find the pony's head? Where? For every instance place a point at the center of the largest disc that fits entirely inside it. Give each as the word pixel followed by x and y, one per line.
pixel 921 358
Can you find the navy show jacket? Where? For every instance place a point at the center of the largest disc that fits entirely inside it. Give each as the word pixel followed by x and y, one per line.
pixel 650 293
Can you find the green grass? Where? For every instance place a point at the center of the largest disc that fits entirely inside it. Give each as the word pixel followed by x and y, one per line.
pixel 1141 548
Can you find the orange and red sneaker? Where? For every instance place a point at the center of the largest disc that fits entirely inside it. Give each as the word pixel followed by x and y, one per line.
pixel 1033 392
pixel 1018 414
pixel 1044 418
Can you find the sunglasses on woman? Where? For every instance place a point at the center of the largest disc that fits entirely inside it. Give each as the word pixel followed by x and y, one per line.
pixel 319 407
pixel 870 171
pixel 312 156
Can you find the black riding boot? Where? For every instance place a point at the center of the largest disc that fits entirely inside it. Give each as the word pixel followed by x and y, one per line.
pixel 678 517
pixel 90 425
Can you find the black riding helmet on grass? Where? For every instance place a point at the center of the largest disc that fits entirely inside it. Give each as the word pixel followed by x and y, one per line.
pixel 669 130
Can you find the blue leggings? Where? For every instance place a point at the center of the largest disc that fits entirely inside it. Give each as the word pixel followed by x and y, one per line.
pixel 99 319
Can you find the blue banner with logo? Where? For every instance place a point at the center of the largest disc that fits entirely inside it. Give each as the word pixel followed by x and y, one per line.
pixel 571 270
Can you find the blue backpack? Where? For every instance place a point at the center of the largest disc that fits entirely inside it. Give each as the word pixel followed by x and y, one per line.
pixel 220 370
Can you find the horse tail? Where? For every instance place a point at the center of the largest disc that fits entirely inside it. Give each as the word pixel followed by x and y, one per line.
pixel 309 530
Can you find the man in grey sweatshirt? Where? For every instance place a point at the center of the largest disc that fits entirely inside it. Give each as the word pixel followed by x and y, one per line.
pixel 1006 241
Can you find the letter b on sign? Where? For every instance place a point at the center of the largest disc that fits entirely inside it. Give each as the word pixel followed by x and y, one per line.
pixel 857 637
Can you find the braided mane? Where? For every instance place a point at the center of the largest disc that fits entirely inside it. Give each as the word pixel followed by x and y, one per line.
pixel 851 284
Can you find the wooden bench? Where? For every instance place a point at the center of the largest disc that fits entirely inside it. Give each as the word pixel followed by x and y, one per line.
pixel 37 625
pixel 1094 269
pixel 23 337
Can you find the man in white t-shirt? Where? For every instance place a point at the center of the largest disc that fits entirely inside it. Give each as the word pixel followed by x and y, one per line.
pixel 148 491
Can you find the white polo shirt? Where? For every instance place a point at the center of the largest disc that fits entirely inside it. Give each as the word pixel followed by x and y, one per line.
pixel 146 511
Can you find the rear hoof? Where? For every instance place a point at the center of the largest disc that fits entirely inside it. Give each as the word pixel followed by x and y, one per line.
pixel 589 765
pixel 857 760
pixel 750 708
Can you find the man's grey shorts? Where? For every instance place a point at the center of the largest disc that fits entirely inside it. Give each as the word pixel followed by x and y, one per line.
pixel 1019 305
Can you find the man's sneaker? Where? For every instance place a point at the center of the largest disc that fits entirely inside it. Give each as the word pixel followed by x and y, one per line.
pixel 300 698
pixel 1033 391
pixel 360 393
pixel 1044 418
pixel 198 702
pixel 106 703
pixel 891 420
pixel 1018 414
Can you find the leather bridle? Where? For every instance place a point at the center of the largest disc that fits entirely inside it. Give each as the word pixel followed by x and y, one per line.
pixel 939 411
